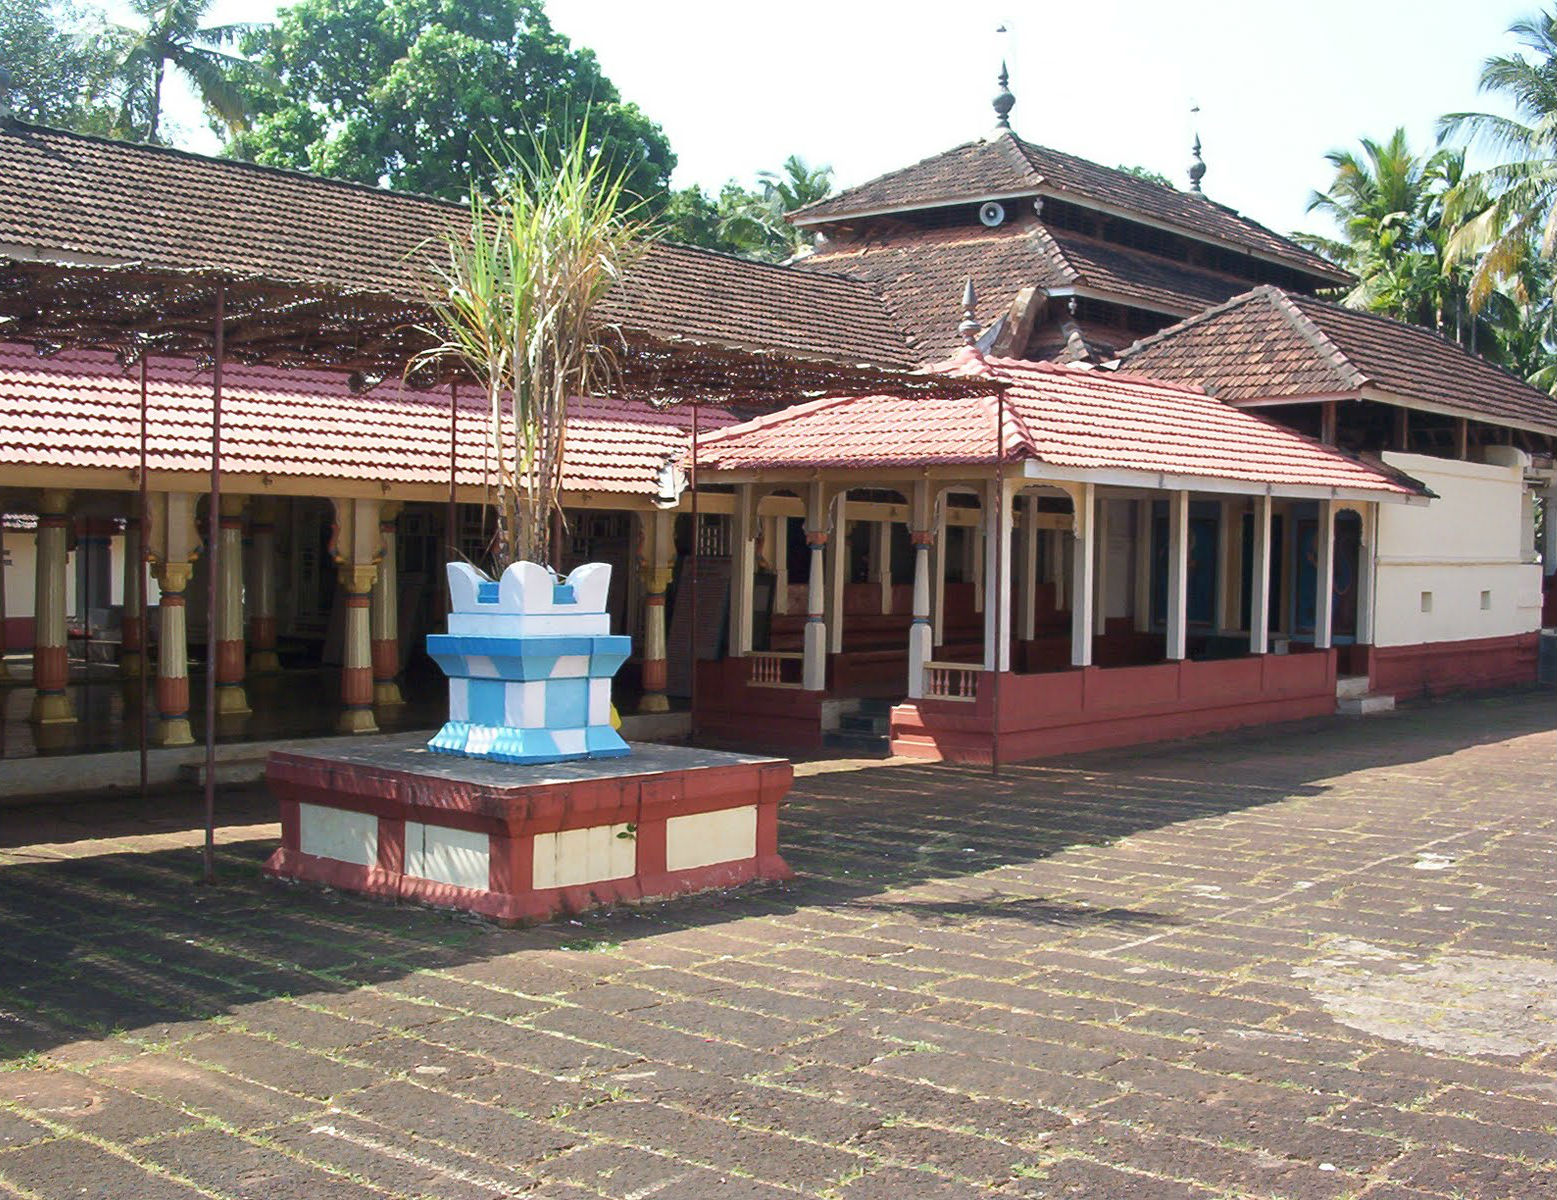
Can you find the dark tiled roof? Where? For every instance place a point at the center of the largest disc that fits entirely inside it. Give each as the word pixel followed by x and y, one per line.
pixel 1269 344
pixel 71 195
pixel 1007 165
pixel 921 274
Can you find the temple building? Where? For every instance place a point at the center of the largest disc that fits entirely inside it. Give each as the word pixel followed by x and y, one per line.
pixel 1059 457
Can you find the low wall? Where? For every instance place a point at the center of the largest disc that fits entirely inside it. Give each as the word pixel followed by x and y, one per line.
pixel 731 711
pixel 1436 668
pixel 1095 708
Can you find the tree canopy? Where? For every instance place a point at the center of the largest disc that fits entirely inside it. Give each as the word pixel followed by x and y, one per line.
pixel 422 95
pixel 52 64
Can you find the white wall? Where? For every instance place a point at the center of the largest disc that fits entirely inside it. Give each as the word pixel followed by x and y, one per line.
pixel 21 574
pixel 1469 550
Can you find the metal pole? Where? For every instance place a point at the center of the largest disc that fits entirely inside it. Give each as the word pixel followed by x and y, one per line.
pixel 1000 571
pixel 141 567
pixel 213 569
pixel 451 518
pixel 692 575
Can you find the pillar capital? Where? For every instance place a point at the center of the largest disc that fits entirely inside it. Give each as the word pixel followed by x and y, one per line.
pixel 172 576
pixel 172 536
pixel 656 580
pixel 357 578
pixel 232 505
pixel 356 539
pixel 54 502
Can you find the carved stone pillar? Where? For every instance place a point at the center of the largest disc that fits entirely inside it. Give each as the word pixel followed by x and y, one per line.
pixel 262 589
pixel 656 567
pixel 357 547
pixel 232 699
pixel 51 704
pixel 173 655
pixel 385 613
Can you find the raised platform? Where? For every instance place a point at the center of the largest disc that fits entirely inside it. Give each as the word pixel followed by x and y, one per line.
pixel 522 843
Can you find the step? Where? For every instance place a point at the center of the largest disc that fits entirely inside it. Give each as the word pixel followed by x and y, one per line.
pixel 872 723
pixel 858 745
pixel 1364 706
pixel 1350 687
pixel 228 771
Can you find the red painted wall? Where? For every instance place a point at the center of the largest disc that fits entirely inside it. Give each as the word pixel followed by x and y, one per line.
pixel 731 710
pixel 1094 708
pixel 1435 668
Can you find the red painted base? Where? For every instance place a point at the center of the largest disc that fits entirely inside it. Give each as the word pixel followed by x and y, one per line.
pixel 511 805
pixel 1097 708
pixel 1437 668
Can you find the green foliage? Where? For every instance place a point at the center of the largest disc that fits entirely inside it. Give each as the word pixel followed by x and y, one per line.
pixel 1146 173
pixel 169 33
pixel 52 63
pixel 750 221
pixel 417 94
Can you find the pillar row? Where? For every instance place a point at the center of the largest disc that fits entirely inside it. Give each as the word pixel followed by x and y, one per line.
pixel 51 704
pixel 358 546
pixel 232 699
pixel 263 659
pixel 385 614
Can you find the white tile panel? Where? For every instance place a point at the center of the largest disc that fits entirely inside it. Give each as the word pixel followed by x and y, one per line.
pixel 702 839
pixel 444 855
pixel 338 833
pixel 577 856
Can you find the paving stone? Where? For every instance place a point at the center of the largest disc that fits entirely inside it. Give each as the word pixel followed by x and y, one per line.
pixel 90 1106
pixel 174 1081
pixel 234 1167
pixel 284 1068
pixel 899 1183
pixel 69 1167
pixel 487 1132
pixel 1463 1173
pixel 1079 1179
pixel 16 1130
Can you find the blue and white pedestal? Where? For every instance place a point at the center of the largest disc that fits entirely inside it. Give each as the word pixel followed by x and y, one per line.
pixel 530 661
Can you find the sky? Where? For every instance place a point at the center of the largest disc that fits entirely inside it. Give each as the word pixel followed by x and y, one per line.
pixel 866 86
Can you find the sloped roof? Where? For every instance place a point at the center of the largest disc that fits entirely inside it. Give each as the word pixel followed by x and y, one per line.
pixel 1004 165
pixel 1267 344
pixel 920 274
pixel 80 409
pixel 1063 416
pixel 93 200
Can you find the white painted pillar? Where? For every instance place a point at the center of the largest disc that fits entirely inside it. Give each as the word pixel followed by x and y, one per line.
pixel 357 545
pixel 1367 568
pixel 1178 575
pixel 1141 604
pixel 814 666
pixel 837 573
pixel 920 635
pixel 1259 578
pixel 1081 586
pixel 743 569
pixel 232 699
pixel 779 555
pixel 883 564
pixel 973 556
pixel 51 703
pixel 656 566
pixel 1324 575
pixel 1060 564
pixel 1548 532
pixel 263 659
pixel 173 541
pixel 997 576
pixel 1027 580
pixel 938 573
pixel 1100 569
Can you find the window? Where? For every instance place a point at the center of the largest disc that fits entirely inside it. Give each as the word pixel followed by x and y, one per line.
pixel 1486 601
pixel 1427 602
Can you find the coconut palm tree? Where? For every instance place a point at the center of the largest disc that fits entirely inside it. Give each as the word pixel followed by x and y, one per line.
pixel 1501 210
pixel 170 34
pixel 753 221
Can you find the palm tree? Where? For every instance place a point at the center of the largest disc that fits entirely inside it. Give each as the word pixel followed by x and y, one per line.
pixel 754 221
pixel 1502 210
pixel 171 35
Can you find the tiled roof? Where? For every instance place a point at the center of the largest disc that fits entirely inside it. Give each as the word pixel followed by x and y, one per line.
pixel 80 409
pixel 1268 344
pixel 1006 165
pixel 920 275
pixel 98 200
pixel 1071 417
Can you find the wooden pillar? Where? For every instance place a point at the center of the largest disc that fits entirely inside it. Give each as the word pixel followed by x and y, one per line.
pixel 1324 575
pixel 1259 578
pixel 656 566
pixel 384 611
pixel 1327 422
pixel 1367 571
pixel 231 696
pixel 1100 568
pixel 997 580
pixel 132 636
pixel 973 557
pixel 838 573
pixel 1141 602
pixel 882 563
pixel 1027 580
pixel 814 666
pixel 51 704
pixel 743 570
pixel 1228 542
pixel 938 572
pixel 356 558
pixel 1178 575
pixel 1061 564
pixel 1402 429
pixel 1462 439
pixel 263 659
pixel 921 647
pixel 1081 585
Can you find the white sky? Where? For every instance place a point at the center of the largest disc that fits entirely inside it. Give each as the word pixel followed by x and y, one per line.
pixel 869 85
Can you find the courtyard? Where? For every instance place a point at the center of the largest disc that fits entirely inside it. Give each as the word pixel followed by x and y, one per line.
pixel 1309 961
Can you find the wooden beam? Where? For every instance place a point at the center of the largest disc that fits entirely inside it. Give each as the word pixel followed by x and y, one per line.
pixel 1026 310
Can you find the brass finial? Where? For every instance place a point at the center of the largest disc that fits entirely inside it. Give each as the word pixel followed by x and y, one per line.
pixel 1197 168
pixel 1004 100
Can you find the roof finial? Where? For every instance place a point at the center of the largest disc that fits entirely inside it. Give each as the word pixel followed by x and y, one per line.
pixel 1197 169
pixel 1004 100
pixel 969 327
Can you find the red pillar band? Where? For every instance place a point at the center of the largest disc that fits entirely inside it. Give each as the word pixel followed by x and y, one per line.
pixel 655 670
pixel 130 637
pixel 386 659
pixel 50 668
pixel 172 690
pixel 356 682
pixel 262 633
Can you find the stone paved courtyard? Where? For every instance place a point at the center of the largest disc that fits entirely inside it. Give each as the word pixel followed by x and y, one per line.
pixel 1315 962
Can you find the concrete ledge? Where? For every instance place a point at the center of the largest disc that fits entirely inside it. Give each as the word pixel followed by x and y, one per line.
pixel 65 775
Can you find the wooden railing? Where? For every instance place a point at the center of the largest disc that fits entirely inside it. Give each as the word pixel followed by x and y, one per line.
pixel 951 681
pixel 776 668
